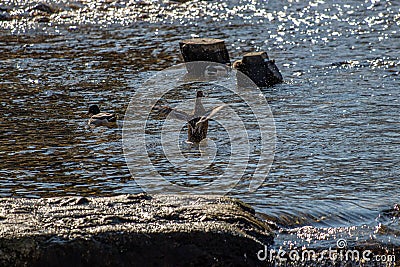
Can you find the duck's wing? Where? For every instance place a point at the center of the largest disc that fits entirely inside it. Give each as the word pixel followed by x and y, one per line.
pixel 110 117
pixel 210 113
pixel 174 113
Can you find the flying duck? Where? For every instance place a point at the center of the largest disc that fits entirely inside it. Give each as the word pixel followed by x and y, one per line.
pixel 197 120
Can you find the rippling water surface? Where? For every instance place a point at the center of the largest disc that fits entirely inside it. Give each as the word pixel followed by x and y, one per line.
pixel 336 116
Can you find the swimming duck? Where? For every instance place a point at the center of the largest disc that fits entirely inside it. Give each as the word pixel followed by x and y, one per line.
pixel 100 118
pixel 197 120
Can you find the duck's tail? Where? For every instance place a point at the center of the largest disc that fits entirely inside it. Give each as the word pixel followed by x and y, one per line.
pixel 113 118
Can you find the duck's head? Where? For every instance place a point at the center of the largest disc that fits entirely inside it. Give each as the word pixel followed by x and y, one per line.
pixel 200 94
pixel 94 109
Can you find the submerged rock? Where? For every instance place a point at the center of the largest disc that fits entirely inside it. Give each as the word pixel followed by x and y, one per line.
pixel 4 16
pixel 44 8
pixel 130 230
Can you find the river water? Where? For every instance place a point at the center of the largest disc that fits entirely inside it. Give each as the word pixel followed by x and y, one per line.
pixel 336 166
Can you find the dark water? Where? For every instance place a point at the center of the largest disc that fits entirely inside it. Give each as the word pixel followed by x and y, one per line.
pixel 337 157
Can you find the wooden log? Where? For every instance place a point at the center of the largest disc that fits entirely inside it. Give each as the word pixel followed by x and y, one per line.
pixel 203 49
pixel 258 67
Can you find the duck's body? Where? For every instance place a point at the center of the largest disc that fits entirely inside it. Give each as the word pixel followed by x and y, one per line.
pixel 197 130
pixel 197 120
pixel 101 118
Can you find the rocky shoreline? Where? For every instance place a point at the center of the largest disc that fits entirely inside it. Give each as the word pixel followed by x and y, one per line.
pixel 143 230
pixel 130 230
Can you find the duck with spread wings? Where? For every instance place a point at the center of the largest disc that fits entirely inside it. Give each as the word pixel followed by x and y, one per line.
pixel 197 120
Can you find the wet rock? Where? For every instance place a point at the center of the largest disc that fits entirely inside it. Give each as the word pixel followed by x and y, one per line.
pixel 5 13
pixel 394 212
pixel 44 8
pixel 4 16
pixel 42 19
pixel 130 230
pixel 180 1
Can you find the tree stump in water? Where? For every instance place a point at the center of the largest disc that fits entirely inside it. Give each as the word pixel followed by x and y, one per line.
pixel 258 67
pixel 203 49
